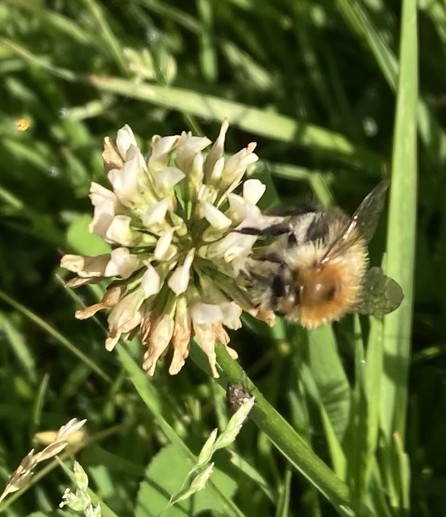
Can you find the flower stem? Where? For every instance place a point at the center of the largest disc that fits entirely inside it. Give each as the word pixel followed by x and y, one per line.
pixel 284 437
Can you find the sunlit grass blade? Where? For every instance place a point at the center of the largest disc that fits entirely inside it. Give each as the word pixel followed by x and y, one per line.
pixel 400 261
pixel 402 472
pixel 257 121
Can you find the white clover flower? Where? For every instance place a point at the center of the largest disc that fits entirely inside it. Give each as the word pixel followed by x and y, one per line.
pixel 172 220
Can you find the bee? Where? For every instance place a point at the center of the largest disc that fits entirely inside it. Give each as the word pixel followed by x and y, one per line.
pixel 315 270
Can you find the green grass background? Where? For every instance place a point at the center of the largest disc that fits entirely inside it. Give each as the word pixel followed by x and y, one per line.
pixel 330 92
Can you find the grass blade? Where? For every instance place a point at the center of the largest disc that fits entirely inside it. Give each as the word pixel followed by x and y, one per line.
pixel 402 230
pixel 329 377
pixel 251 119
pixel 288 442
pixel 69 345
pixel 431 133
pixel 248 118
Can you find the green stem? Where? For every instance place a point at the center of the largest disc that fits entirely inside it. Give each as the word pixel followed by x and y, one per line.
pixel 285 438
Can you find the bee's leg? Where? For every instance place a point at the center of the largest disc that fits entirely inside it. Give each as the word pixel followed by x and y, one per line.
pixel 279 290
pixel 292 240
pixel 278 287
pixel 270 257
pixel 263 269
pixel 271 231
pixel 272 287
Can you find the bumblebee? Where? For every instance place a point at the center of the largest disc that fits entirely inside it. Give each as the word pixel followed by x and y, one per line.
pixel 315 270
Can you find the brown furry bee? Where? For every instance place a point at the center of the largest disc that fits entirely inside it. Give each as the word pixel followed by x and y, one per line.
pixel 316 269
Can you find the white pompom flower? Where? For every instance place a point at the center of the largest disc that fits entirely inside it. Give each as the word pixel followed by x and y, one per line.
pixel 172 220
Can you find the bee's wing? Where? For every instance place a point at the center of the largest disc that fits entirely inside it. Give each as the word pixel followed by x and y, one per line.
pixel 367 215
pixel 363 223
pixel 380 294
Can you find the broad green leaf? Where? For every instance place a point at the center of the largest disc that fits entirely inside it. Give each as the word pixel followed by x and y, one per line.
pixel 165 475
pixel 151 399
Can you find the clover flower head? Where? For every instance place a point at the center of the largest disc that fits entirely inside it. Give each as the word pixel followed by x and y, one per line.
pixel 171 219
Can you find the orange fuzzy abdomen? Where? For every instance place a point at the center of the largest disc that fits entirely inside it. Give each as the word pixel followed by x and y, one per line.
pixel 325 293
